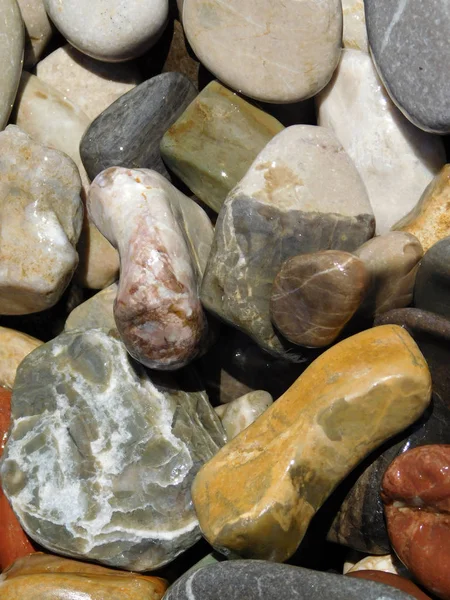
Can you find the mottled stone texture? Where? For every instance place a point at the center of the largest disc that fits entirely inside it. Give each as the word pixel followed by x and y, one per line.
pixel 416 494
pixel 256 497
pixel 215 141
pixel 11 55
pixel 260 580
pixel 432 289
pixel 163 239
pixel 128 133
pixel 41 215
pixel 315 295
pixel 101 457
pixel 55 578
pixel 301 194
pixel 14 346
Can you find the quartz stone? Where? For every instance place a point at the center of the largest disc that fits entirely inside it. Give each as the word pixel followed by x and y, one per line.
pixel 429 220
pixel 14 346
pixel 95 313
pixel 55 578
pixel 128 133
pixel 432 289
pixel 382 563
pixel 11 56
pixel 416 495
pixel 315 295
pixel 401 583
pixel 415 80
pixel 41 215
pixel 214 142
pixel 301 194
pixel 38 30
pixel 257 496
pixel 395 159
pixel 282 55
pixel 355 33
pixel 261 580
pixel 163 239
pixel 101 454
pixel 242 412
pixel 90 84
pixel 112 32
pixel 392 261
pixel 51 119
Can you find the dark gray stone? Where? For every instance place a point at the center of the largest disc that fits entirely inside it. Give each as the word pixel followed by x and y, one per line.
pixel 128 133
pixel 410 46
pixel 262 580
pixel 432 287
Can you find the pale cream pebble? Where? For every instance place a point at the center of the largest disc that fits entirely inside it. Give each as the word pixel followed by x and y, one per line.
pixel 242 412
pixel 14 346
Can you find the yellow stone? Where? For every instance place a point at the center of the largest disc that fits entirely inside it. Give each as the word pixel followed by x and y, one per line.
pixel 14 346
pixel 256 497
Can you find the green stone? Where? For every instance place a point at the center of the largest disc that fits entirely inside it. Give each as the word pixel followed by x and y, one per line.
pixel 215 141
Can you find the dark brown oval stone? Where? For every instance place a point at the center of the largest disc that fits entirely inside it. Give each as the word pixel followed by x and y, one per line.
pixel 393 580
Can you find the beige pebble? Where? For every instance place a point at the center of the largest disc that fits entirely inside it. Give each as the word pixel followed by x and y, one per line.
pixel 14 346
pixel 242 412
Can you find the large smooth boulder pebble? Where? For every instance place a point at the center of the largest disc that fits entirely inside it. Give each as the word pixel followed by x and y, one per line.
pixel 163 239
pixel 429 220
pixel 257 496
pixel 14 346
pixel 416 495
pixel 258 580
pixel 408 41
pixel 90 84
pixel 215 141
pixel 41 216
pixel 115 450
pixel 395 159
pixel 114 31
pixel 128 133
pixel 38 30
pixel 12 41
pixel 315 295
pixel 282 55
pixel 355 34
pixel 55 578
pixel 301 194
pixel 242 412
pixel 432 289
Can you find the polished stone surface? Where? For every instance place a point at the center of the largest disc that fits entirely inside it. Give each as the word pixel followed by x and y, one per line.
pixel 11 56
pixel 432 289
pixel 383 563
pixel 163 239
pixel 408 40
pixel 315 295
pixel 14 346
pixel 41 216
pixel 95 313
pixel 257 496
pixel 301 194
pixel 282 55
pixel 392 261
pixel 101 454
pixel 355 33
pixel 112 31
pixel 260 580
pixel 38 30
pixel 401 583
pixel 55 578
pixel 215 141
pixel 128 133
pixel 429 220
pixel 395 159
pixel 242 412
pixel 416 494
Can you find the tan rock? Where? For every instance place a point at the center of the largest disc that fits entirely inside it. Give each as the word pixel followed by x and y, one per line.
pixel 97 312
pixel 11 55
pixel 392 261
pixel 256 497
pixel 355 32
pixel 38 30
pixel 14 346
pixel 372 563
pixel 242 412
pixel 429 220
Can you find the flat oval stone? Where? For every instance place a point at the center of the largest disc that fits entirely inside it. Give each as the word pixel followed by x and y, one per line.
pixel 429 220
pixel 111 30
pixel 14 346
pixel 242 412
pixel 415 79
pixel 257 496
pixel 396 160
pixel 11 56
pixel 56 578
pixel 301 194
pixel 214 142
pixel 416 494
pixel 128 133
pixel 401 583
pixel 285 55
pixel 392 261
pixel 432 289
pixel 315 295
pixel 38 30
pixel 259 580
pixel 101 457
pixel 355 34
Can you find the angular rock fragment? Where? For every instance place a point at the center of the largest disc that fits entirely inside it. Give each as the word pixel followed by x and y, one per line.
pixel 95 313
pixel 14 346
pixel 242 412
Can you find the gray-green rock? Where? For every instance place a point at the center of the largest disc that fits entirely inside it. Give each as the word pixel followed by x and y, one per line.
pixel 301 194
pixel 101 454
pixel 432 289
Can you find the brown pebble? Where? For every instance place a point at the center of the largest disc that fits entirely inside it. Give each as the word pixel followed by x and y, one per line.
pixel 393 580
